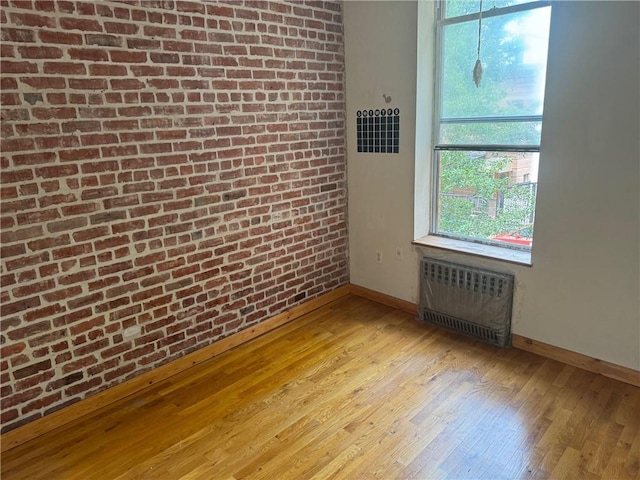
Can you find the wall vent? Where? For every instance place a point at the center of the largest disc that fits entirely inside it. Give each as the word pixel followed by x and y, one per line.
pixel 469 300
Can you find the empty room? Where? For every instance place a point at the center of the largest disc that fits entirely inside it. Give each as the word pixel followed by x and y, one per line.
pixel 268 239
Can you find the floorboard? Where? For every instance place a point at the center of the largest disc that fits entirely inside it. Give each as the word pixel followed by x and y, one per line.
pixel 354 390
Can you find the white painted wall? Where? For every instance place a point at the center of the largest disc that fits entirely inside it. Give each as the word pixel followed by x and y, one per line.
pixel 380 48
pixel 582 292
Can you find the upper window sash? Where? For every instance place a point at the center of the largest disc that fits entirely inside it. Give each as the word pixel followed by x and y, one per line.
pixel 491 12
pixel 463 124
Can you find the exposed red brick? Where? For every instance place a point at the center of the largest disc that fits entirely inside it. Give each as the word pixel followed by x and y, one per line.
pixel 41 402
pixel 57 37
pixel 20 398
pixel 17 35
pixel 122 56
pixel 32 369
pixel 79 364
pixel 144 153
pixel 91 347
pixel 83 24
pixel 82 387
pixel 19 306
pixel 34 380
pixel 91 54
pixel 62 382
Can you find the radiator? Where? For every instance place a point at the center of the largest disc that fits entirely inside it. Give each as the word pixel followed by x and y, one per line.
pixel 469 300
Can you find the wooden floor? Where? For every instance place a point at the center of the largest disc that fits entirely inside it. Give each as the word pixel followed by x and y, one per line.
pixel 355 390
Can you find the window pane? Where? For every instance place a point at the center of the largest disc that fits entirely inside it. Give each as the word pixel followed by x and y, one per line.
pixel 489 196
pixel 456 8
pixel 513 55
pixel 491 133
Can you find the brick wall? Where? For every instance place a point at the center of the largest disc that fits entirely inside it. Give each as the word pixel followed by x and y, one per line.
pixel 172 165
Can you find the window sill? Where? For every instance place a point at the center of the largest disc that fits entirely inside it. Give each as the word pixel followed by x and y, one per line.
pixel 518 257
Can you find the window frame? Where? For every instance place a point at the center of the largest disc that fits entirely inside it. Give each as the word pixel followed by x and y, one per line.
pixel 440 23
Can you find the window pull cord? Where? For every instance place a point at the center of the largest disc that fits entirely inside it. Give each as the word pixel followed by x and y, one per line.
pixel 477 69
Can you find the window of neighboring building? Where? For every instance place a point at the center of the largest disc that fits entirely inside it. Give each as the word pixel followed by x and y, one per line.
pixel 487 138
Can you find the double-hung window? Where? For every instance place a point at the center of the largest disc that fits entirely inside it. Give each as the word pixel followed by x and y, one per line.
pixel 487 126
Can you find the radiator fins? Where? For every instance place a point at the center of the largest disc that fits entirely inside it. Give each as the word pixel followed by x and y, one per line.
pixel 468 300
pixel 462 326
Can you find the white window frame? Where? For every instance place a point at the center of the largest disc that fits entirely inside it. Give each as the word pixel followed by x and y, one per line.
pixel 440 23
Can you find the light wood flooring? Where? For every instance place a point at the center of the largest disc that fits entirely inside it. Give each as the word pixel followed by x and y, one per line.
pixel 354 390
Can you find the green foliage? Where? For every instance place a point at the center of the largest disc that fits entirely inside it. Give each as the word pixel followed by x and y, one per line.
pixel 477 195
pixel 512 82
pixel 461 170
pixel 471 191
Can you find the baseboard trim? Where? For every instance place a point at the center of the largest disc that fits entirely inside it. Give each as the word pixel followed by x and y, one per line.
pixel 385 299
pixel 611 370
pixel 57 419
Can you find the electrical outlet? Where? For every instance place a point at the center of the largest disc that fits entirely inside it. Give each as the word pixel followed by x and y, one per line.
pixel 378 257
pixel 399 254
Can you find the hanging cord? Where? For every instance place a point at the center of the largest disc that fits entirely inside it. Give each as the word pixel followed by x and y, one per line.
pixel 477 69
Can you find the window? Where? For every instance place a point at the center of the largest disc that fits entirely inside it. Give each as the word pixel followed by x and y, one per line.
pixel 487 137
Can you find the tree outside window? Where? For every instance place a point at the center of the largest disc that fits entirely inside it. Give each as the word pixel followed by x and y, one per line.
pixel 488 137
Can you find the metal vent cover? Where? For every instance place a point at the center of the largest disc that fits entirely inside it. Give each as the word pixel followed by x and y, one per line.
pixel 463 326
pixel 469 300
